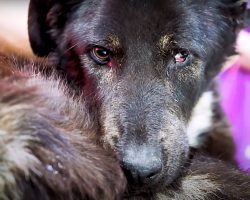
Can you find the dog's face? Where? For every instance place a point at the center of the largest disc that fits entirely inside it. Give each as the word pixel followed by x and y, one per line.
pixel 144 64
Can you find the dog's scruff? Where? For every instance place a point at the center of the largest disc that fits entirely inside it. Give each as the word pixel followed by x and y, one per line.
pixel 135 70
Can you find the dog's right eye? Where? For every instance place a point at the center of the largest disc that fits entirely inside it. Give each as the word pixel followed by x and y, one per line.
pixel 181 56
pixel 100 55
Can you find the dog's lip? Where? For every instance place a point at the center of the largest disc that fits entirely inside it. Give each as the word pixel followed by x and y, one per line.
pixel 151 186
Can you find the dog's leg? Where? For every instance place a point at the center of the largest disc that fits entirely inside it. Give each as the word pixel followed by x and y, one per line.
pixel 210 179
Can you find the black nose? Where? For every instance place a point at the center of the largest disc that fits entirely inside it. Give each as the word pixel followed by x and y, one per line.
pixel 140 172
pixel 142 164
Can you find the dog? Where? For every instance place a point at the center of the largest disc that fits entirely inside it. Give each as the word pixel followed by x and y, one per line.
pixel 133 83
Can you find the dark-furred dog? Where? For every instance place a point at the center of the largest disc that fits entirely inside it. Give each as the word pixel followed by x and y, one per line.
pixel 136 72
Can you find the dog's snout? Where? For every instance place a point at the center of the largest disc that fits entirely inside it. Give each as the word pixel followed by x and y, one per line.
pixel 142 163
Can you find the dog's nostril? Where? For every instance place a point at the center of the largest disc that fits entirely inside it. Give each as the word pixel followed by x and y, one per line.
pixel 153 172
pixel 149 172
pixel 142 163
pixel 140 172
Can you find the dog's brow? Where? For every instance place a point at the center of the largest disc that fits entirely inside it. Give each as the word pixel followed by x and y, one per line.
pixel 114 41
pixel 166 41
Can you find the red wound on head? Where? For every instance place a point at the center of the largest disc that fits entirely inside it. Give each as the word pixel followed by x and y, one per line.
pixel 110 64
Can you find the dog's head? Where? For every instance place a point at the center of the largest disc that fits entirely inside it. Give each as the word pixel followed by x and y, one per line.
pixel 144 64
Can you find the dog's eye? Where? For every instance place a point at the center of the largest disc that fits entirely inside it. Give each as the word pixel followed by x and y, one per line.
pixel 100 55
pixel 181 56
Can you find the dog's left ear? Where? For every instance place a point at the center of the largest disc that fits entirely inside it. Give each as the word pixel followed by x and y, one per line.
pixel 235 11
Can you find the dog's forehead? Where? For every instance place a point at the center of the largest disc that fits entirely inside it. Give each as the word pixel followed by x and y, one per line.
pixel 149 22
pixel 132 17
pixel 130 14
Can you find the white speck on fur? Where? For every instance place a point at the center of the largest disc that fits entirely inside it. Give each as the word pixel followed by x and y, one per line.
pixel 201 119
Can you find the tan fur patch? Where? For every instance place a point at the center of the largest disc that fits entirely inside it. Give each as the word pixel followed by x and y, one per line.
pixel 190 72
pixel 166 41
pixel 197 187
pixel 114 42
pixel 111 130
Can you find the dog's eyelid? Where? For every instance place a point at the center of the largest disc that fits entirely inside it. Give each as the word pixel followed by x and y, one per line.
pixel 193 52
pixel 105 44
pixel 99 45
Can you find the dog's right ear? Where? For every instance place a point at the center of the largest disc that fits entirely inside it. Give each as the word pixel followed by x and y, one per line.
pixel 45 22
pixel 235 11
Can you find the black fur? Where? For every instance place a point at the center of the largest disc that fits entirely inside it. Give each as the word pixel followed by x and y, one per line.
pixel 138 104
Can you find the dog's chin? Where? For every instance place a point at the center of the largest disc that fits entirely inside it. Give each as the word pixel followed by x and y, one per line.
pixel 141 191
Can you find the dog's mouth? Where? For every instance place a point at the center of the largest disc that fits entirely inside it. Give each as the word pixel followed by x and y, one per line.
pixel 139 187
pixel 149 191
pixel 148 187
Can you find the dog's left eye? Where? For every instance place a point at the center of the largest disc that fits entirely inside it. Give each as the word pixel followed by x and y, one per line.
pixel 181 56
pixel 100 55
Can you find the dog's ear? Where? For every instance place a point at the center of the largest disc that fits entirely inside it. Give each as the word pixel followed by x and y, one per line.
pixel 38 28
pixel 45 22
pixel 235 10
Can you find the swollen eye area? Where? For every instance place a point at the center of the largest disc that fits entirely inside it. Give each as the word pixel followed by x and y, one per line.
pixel 100 55
pixel 181 56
